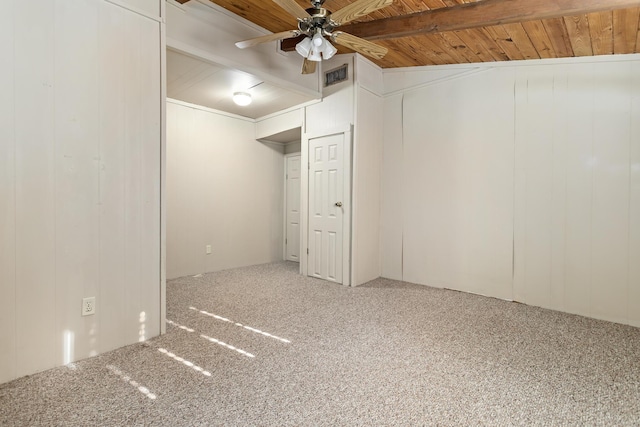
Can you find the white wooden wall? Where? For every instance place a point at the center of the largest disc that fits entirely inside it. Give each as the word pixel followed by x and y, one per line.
pixel 519 181
pixel 337 107
pixel 367 171
pixel 457 185
pixel 578 189
pixel 80 144
pixel 224 189
pixel 334 114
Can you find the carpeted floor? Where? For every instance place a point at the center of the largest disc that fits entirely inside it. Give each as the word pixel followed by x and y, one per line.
pixel 264 346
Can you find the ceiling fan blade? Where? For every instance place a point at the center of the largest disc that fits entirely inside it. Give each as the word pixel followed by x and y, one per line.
pixel 268 38
pixel 363 46
pixel 308 67
pixel 357 9
pixel 293 8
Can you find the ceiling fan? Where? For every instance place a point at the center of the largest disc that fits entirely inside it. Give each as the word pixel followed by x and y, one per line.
pixel 318 24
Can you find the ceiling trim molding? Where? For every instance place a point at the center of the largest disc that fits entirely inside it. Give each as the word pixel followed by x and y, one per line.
pixel 210 110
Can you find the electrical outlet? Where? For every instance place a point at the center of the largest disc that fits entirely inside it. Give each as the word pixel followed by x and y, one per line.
pixel 88 306
pixel 208 249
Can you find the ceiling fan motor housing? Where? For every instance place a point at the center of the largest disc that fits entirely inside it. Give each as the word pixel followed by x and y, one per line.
pixel 319 18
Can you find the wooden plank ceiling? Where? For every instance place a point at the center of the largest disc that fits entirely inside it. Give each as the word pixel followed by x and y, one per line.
pixel 605 32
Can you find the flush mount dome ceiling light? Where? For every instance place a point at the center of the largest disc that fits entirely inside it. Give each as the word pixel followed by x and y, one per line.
pixel 318 25
pixel 242 98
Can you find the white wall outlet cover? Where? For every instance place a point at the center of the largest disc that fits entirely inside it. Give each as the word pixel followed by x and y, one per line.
pixel 88 306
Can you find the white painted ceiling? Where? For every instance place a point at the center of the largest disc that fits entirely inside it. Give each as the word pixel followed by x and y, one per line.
pixel 199 82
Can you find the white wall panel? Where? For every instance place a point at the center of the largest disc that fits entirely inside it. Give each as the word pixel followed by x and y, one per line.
pixel 279 123
pixel 77 178
pixel 560 110
pixel 337 107
pixel 150 7
pixel 368 75
pixel 573 252
pixel 367 165
pixel 458 184
pixel 540 191
pixel 575 166
pixel 129 178
pixel 610 220
pixel 7 198
pixel 578 243
pixel 179 192
pixel 399 80
pixel 224 189
pixel 391 203
pixel 633 301
pixel 150 103
pixel 113 135
pixel 35 191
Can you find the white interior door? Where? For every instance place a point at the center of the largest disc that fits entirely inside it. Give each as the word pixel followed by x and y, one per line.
pixel 292 229
pixel 326 207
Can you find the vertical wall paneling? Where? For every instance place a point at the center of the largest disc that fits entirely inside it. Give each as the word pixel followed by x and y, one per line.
pixel 150 104
pixel 7 198
pixel 367 163
pixel 80 140
pixel 337 106
pixel 539 157
pixel 540 191
pixel 201 208
pixel 133 155
pixel 458 184
pixel 130 95
pixel 151 7
pixel 224 189
pixel 535 144
pixel 579 189
pixel 560 108
pixel 35 186
pixel 178 127
pixel 163 170
pixel 611 137
pixel 77 179
pixel 113 45
pixel 520 186
pixel 576 166
pixel 633 299
pixel 391 203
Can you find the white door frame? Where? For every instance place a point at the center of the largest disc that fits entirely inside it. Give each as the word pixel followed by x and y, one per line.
pixel 304 200
pixel 286 196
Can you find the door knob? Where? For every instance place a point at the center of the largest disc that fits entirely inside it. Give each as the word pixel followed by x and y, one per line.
pixel 338 204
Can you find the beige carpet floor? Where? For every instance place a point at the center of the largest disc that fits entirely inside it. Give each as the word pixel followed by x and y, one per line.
pixel 263 346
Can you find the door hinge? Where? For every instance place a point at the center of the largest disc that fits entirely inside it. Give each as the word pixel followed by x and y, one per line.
pixel 309 166
pixel 287 176
pixel 307 251
pixel 286 241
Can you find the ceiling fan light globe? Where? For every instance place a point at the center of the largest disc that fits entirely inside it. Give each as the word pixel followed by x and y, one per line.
pixel 315 55
pixel 328 51
pixel 318 40
pixel 304 47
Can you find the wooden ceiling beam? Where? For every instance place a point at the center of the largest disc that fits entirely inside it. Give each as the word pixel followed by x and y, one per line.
pixel 485 13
